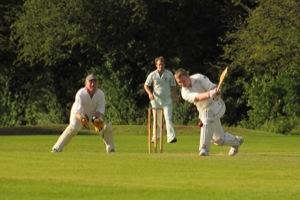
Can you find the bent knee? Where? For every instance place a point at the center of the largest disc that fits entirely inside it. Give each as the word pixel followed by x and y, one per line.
pixel 71 130
pixel 219 141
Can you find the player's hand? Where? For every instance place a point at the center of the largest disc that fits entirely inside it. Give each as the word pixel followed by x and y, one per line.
pixel 151 97
pixel 98 124
pixel 214 94
pixel 218 94
pixel 85 121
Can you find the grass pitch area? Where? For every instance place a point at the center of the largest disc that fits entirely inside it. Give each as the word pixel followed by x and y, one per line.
pixel 266 167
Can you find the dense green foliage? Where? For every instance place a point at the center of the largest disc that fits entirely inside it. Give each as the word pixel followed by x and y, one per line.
pixel 267 50
pixel 58 42
pixel 48 46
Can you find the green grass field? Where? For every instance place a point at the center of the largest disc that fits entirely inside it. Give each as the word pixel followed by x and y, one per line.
pixel 266 167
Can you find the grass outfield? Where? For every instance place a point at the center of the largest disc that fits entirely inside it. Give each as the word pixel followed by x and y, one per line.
pixel 266 167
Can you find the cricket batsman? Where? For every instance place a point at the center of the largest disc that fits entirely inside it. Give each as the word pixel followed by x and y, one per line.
pixel 200 91
pixel 87 110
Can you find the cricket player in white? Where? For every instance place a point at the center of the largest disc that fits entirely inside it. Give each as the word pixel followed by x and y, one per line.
pixel 89 103
pixel 200 91
pixel 163 87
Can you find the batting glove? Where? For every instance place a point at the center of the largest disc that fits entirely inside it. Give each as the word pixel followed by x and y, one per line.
pixel 214 94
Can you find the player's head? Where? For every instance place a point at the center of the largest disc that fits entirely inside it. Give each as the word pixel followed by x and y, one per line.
pixel 91 83
pixel 182 78
pixel 160 63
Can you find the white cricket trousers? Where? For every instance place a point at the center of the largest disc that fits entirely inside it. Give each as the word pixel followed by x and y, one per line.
pixel 75 126
pixel 168 110
pixel 212 128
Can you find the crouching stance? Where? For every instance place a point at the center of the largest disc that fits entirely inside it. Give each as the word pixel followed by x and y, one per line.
pixel 87 111
pixel 200 91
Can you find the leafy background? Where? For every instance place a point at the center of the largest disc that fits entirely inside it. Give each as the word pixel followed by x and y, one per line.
pixel 47 47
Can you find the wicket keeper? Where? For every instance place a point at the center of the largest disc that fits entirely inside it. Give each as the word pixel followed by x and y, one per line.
pixel 87 110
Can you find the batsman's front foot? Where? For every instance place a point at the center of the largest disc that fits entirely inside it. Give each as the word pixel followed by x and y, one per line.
pixel 203 152
pixel 55 150
pixel 111 151
pixel 234 149
pixel 174 140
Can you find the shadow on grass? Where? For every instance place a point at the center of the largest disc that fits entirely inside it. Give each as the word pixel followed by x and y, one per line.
pixel 38 130
pixel 57 129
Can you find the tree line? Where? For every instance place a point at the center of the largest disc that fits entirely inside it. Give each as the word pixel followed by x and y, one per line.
pixel 48 47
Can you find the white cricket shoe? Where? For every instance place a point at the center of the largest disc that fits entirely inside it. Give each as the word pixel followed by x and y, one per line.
pixel 203 152
pixel 174 140
pixel 234 149
pixel 55 151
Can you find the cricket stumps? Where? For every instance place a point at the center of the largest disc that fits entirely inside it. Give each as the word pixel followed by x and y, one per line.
pixel 156 114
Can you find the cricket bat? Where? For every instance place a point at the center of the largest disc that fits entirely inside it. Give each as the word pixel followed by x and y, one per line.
pixel 222 77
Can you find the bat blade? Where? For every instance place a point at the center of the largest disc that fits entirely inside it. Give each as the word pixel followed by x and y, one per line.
pixel 222 77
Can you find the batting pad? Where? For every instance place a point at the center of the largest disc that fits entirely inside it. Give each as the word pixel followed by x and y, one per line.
pixel 207 129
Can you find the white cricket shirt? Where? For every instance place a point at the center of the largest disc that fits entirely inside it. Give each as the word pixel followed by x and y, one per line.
pixel 87 105
pixel 200 83
pixel 161 86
